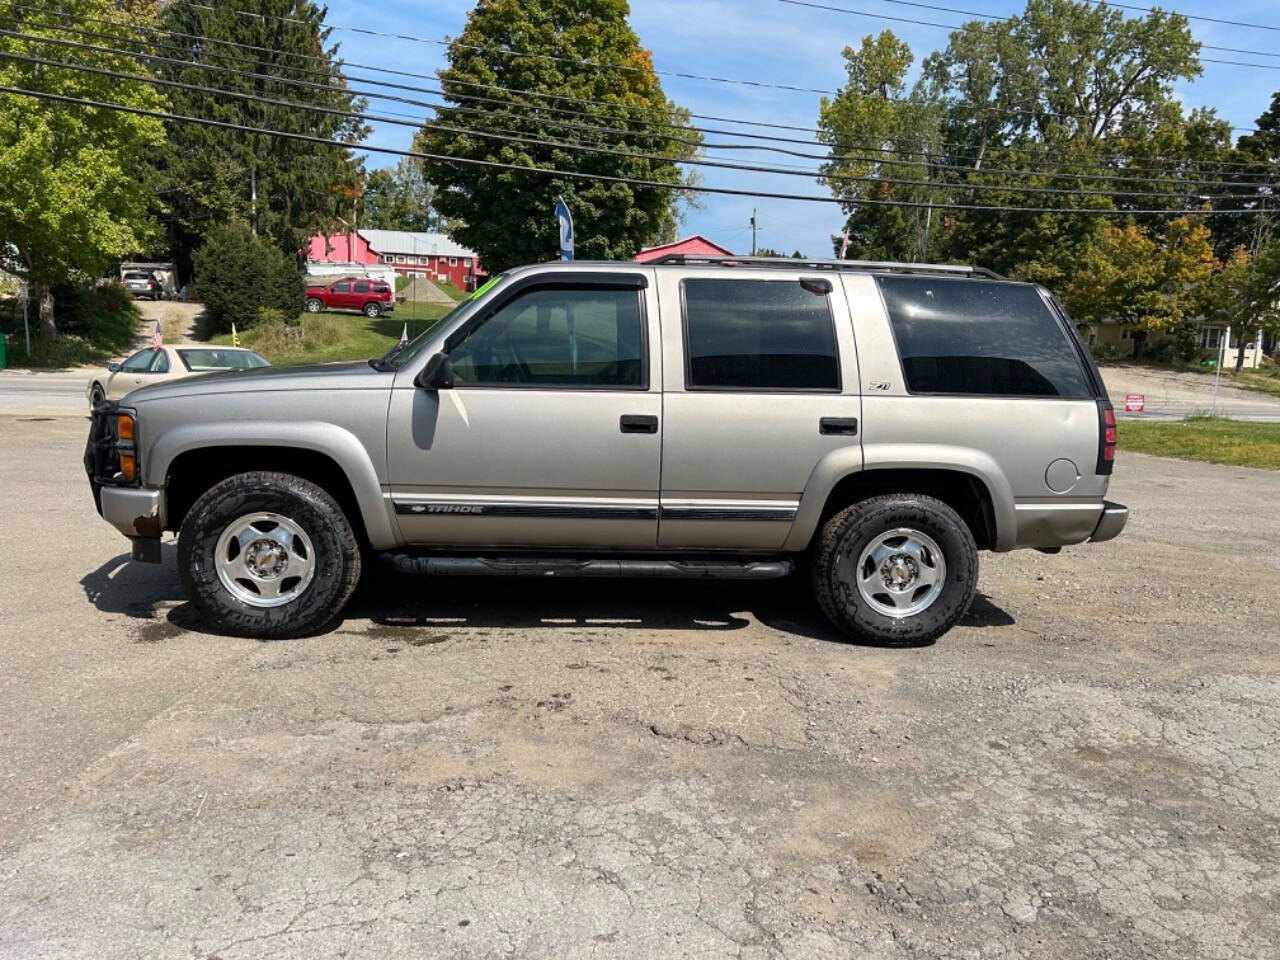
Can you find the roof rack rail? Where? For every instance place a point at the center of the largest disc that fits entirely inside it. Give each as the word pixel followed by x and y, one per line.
pixel 883 266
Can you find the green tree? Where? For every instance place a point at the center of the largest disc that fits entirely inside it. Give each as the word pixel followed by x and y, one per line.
pixel 877 138
pixel 400 198
pixel 284 189
pixel 1245 295
pixel 506 216
pixel 239 274
pixel 1148 283
pixel 70 200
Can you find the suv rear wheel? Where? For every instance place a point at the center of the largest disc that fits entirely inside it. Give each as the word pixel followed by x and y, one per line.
pixel 268 555
pixel 371 309
pixel 899 569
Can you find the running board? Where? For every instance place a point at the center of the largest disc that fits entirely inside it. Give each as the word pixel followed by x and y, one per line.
pixel 562 567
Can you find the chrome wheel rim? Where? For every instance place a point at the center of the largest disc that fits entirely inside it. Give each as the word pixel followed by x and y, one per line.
pixel 901 573
pixel 371 311
pixel 265 560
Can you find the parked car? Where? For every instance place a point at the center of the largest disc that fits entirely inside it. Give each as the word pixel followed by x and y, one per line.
pixel 689 418
pixel 156 365
pixel 143 286
pixel 371 297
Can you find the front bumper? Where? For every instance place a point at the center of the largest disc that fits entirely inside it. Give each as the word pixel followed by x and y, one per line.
pixel 137 512
pixel 1113 520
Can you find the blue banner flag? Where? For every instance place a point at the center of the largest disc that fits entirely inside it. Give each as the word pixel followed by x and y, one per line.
pixel 566 229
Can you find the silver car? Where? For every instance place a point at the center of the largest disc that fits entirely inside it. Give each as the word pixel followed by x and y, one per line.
pixel 692 418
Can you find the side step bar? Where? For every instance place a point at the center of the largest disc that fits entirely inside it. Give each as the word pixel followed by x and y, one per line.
pixel 562 567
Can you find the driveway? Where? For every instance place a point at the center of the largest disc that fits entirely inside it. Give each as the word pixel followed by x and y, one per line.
pixel 1086 768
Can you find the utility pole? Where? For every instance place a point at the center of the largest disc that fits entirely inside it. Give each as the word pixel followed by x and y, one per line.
pixel 253 199
pixel 753 231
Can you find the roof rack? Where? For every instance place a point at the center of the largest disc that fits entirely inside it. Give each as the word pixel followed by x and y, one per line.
pixel 791 263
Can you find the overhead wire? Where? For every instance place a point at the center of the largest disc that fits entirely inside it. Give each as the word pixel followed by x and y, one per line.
pixel 599 177
pixel 1222 166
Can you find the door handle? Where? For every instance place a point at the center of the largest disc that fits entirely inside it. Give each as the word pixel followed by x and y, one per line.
pixel 638 423
pixel 838 425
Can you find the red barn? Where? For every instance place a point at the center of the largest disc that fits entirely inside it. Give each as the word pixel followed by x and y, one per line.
pixel 430 255
pixel 697 245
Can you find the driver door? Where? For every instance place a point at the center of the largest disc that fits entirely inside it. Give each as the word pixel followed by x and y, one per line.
pixel 551 434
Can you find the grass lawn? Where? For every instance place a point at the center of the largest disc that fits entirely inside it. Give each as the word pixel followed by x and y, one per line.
pixel 1213 439
pixel 337 336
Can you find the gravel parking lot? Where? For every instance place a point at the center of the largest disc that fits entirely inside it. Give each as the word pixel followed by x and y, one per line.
pixel 1088 767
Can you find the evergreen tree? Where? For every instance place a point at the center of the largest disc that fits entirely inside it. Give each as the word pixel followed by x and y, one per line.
pixel 284 189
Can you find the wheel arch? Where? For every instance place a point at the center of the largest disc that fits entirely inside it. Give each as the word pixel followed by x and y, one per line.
pixel 188 460
pixel 967 480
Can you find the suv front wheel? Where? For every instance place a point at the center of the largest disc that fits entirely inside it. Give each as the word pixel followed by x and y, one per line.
pixel 897 569
pixel 268 555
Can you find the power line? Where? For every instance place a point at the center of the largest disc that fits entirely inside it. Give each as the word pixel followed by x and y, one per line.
pixel 988 16
pixel 606 151
pixel 991 16
pixel 888 155
pixel 598 177
pixel 624 67
pixel 1189 16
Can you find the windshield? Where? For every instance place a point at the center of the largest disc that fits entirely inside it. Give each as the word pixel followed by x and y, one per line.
pixel 202 361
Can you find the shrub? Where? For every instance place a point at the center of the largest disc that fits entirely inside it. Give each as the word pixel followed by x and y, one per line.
pixel 94 322
pixel 239 274
pixel 1104 351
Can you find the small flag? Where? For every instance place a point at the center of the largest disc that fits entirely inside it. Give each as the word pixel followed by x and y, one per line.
pixel 235 337
pixel 404 335
pixel 158 337
pixel 844 247
pixel 566 229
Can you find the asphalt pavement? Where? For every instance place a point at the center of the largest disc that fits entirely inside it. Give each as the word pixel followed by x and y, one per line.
pixel 1087 767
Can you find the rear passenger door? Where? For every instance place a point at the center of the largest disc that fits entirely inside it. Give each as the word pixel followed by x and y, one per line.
pixel 340 296
pixel 761 383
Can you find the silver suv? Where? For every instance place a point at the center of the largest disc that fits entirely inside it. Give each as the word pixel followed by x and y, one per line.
pixel 694 418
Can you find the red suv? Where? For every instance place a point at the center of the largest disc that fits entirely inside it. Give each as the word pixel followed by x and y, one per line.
pixel 370 297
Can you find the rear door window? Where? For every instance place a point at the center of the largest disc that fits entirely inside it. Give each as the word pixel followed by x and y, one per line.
pixel 161 363
pixel 960 336
pixel 362 287
pixel 758 335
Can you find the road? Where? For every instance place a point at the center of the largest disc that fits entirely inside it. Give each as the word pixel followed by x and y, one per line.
pixel 1087 767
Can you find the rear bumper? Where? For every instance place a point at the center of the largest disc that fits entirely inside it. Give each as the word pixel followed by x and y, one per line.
pixel 1113 520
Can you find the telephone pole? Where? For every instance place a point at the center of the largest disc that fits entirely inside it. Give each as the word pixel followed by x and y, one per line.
pixel 753 231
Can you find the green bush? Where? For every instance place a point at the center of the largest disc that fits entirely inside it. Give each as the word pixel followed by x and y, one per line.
pixel 95 321
pixel 238 275
pixel 1104 351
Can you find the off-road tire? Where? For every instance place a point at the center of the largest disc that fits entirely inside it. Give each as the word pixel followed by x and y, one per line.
pixel 314 305
pixel 372 310
pixel 337 554
pixel 852 529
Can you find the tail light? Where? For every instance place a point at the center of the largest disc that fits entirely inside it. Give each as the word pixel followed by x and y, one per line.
pixel 1106 438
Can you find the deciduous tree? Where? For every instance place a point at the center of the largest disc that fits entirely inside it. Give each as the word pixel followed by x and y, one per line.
pixel 585 53
pixel 1148 283
pixel 70 198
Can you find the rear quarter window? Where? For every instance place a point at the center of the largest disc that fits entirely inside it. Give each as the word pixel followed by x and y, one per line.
pixel 960 336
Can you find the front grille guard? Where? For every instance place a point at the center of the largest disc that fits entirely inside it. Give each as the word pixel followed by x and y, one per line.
pixel 101 455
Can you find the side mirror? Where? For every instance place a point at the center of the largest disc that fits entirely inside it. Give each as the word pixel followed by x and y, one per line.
pixel 437 374
pixel 113 368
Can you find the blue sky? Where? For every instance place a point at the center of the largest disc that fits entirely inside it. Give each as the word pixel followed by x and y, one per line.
pixel 771 41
